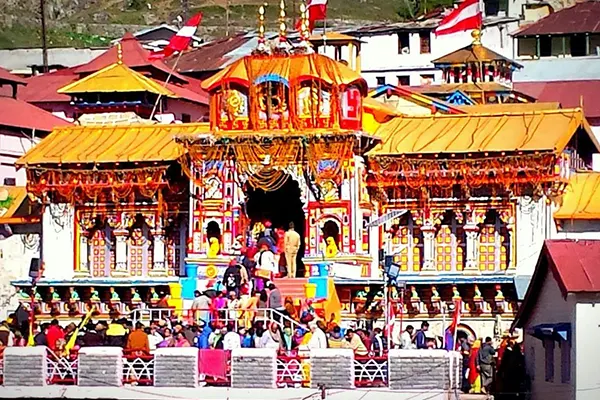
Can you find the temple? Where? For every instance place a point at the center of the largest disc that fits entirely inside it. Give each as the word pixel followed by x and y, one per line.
pixel 433 202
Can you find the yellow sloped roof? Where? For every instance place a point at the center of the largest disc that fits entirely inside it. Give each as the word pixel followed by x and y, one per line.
pixel 116 77
pixel 582 197
pixel 110 144
pixel 11 199
pixel 293 68
pixel 509 107
pixel 473 133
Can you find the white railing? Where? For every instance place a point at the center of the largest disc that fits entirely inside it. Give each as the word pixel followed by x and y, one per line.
pixel 138 370
pixel 293 371
pixel 61 370
pixel 237 318
pixel 370 371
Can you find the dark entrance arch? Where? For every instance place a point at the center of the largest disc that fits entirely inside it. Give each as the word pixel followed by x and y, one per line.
pixel 280 207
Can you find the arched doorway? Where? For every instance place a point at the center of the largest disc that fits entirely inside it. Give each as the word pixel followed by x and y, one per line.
pixel 332 229
pixel 280 207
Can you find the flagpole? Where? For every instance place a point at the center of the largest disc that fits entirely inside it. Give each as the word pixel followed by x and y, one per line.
pixel 165 84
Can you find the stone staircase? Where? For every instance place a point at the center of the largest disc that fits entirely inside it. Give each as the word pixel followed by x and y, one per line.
pixel 292 287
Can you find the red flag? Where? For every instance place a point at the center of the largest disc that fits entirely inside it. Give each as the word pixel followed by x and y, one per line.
pixel 316 11
pixel 181 40
pixel 467 16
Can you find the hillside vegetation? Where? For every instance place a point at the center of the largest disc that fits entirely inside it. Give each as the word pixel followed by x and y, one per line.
pixel 95 22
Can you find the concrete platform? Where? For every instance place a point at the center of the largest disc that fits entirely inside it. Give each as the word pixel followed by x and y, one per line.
pixel 212 393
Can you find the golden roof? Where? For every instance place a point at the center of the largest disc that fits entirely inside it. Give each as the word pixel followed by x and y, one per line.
pixel 290 69
pixel 473 53
pixel 333 38
pixel 508 107
pixel 476 133
pixel 11 200
pixel 380 110
pixel 582 197
pixel 116 77
pixel 110 144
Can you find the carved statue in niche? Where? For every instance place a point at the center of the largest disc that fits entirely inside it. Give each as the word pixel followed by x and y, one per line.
pixel 212 190
pixel 329 191
pixel 313 102
pixel 234 106
pixel 272 104
pixel 214 248
pixel 331 249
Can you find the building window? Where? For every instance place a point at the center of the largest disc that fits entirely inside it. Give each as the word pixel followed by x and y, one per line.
pixel 186 118
pixel 545 46
pixel 403 80
pixel 425 41
pixel 565 361
pixel 578 45
pixel 549 359
pixel 380 80
pixel 427 79
pixel 527 47
pixel 403 43
pixel 407 244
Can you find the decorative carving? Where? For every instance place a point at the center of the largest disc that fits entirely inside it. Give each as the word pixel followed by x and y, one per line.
pixel 114 296
pixel 331 249
pixel 214 247
pixel 213 188
pixel 329 191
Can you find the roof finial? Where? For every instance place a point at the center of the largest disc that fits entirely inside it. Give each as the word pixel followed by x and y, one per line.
pixel 119 53
pixel 304 33
pixel 476 35
pixel 261 28
pixel 282 26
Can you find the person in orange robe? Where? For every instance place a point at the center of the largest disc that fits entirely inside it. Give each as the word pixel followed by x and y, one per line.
pixel 473 372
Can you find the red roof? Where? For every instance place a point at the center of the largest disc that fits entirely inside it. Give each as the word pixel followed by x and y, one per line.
pixel 134 56
pixel 211 56
pixel 19 114
pixel 6 76
pixel 567 93
pixel 579 18
pixel 43 88
pixel 574 267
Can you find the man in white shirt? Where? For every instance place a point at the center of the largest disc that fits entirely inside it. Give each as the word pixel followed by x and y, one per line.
pixel 406 339
pixel 318 340
pixel 232 340
pixel 265 259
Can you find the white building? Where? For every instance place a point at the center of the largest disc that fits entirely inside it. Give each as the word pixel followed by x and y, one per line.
pixel 561 320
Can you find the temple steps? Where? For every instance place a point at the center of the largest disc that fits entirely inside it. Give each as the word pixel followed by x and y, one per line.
pixel 292 287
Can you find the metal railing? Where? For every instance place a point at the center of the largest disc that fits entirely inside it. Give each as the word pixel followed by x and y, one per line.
pixel 237 318
pixel 138 369
pixel 293 371
pixel 61 370
pixel 370 371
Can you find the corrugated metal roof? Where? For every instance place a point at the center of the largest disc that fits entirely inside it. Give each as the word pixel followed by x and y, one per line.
pixel 582 198
pixel 579 18
pixel 568 93
pixel 558 69
pixel 6 76
pixel 19 114
pixel 573 265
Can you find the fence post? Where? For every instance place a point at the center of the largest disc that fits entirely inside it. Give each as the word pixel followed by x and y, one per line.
pixel 333 368
pixel 100 366
pixel 25 366
pixel 176 367
pixel 254 368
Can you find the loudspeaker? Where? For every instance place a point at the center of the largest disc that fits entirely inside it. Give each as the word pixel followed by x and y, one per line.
pixel 34 268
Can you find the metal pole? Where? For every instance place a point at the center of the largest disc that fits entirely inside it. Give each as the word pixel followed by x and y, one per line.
pixel 44 36
pixel 165 84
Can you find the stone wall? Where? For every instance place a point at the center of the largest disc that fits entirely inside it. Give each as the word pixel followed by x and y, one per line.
pixel 100 366
pixel 424 370
pixel 176 367
pixel 332 368
pixel 25 366
pixel 254 368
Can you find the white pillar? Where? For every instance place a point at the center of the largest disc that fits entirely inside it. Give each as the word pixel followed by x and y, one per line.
pixel 121 251
pixel 428 248
pixel 471 262
pixel 159 251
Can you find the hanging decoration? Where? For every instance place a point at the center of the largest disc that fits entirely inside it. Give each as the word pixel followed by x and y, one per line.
pixel 401 176
pixel 76 185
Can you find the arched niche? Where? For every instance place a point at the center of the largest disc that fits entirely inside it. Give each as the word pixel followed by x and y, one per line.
pixel 272 102
pixel 314 104
pixel 331 227
pixel 232 106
